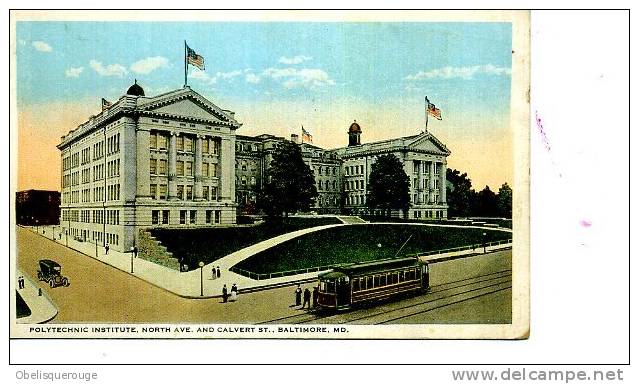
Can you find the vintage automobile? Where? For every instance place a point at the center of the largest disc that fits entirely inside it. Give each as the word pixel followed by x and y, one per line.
pixel 51 272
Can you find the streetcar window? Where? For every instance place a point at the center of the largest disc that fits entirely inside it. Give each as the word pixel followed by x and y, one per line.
pixel 401 276
pixel 410 275
pixel 323 286
pixel 369 282
pixel 355 284
pixel 382 280
pixel 330 286
pixel 394 277
pixel 377 280
pixel 418 274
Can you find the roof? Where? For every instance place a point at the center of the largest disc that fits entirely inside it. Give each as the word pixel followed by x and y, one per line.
pixel 49 263
pixel 370 267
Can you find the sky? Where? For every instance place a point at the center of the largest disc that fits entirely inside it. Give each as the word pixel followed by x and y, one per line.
pixel 277 77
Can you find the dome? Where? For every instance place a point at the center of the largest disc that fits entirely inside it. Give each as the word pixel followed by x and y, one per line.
pixel 135 90
pixel 354 128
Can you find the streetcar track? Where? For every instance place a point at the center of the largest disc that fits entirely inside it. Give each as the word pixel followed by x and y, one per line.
pixel 444 305
pixel 413 305
pixel 315 316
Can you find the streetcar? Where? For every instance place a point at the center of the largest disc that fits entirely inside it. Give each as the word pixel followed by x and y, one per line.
pixel 348 285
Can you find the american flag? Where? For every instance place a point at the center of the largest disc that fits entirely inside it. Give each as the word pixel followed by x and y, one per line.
pixel 106 104
pixel 306 136
pixel 194 59
pixel 434 111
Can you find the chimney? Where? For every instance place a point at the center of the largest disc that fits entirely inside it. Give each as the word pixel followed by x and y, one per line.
pixel 295 138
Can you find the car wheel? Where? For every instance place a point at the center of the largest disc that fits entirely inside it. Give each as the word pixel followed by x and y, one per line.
pixel 65 282
pixel 39 275
pixel 51 283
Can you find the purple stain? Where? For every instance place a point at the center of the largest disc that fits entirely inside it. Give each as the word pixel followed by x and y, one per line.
pixel 585 223
pixel 542 132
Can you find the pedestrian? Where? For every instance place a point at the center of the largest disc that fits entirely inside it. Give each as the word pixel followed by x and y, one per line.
pixel 225 294
pixel 315 296
pixel 135 251
pixel 298 295
pixel 106 249
pixel 21 282
pixel 307 298
pixel 213 274
pixel 60 236
pixel 234 292
pixel 218 272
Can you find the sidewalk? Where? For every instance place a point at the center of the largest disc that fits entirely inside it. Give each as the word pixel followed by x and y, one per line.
pixel 199 283
pixel 42 308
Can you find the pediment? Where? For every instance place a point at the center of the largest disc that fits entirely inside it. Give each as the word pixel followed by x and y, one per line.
pixel 429 143
pixel 188 104
pixel 187 108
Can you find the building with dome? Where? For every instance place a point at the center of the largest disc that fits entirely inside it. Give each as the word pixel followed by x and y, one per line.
pixel 166 160
pixel 424 160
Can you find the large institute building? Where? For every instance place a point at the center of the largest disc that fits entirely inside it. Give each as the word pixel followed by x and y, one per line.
pixel 175 160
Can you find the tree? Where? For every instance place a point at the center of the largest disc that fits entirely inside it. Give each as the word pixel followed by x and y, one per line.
pixel 505 201
pixel 486 203
pixel 290 185
pixel 461 197
pixel 388 185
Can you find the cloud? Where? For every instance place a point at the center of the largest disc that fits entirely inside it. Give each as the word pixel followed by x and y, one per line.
pixel 205 77
pixel 299 78
pixel 465 73
pixel 150 64
pixel 110 70
pixel 252 78
pixel 294 60
pixel 74 72
pixel 42 46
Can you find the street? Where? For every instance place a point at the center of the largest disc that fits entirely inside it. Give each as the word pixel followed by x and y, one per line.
pixel 469 290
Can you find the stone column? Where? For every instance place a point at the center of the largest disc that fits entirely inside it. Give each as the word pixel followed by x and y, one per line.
pixel 172 166
pixel 226 168
pixel 143 166
pixel 431 182
pixel 420 177
pixel 198 168
pixel 442 183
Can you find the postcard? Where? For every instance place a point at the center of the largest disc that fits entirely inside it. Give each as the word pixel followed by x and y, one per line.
pixel 270 174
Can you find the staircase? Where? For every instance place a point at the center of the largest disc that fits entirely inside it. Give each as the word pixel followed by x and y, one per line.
pixel 150 249
pixel 352 220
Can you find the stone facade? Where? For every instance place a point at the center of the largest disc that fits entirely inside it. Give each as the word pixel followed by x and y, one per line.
pixel 166 160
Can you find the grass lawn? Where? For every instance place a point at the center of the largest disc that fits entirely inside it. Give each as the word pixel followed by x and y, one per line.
pixel 362 243
pixel 381 219
pixel 210 244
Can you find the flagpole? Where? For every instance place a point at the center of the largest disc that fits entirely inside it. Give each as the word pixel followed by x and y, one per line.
pixel 426 110
pixel 186 66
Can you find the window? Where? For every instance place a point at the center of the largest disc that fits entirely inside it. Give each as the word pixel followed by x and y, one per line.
pixel 369 282
pixel 217 217
pixel 213 170
pixel 182 217
pixel 162 191
pixel 180 192
pixel 153 166
pixel 179 168
pixel 162 167
pixel 213 146
pixel 361 169
pixel 205 169
pixel 165 217
pixel 188 169
pixel 205 193
pixel 205 146
pixel 153 141
pixel 161 141
pixel 155 217
pixel 188 144
pixel 189 192
pixel 214 193
pixel 355 284
pixel 153 190
pixel 192 217
pixel 180 143
pixel 209 216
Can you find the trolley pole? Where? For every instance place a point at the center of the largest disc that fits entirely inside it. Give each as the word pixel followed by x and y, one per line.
pixel 484 238
pixel 66 237
pixel 96 249
pixel 131 259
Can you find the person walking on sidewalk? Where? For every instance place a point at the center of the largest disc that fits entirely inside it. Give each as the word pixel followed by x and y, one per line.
pixel 315 296
pixel 217 273
pixel 307 298
pixel 21 282
pixel 213 273
pixel 298 295
pixel 234 292
pixel 106 249
pixel 225 294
